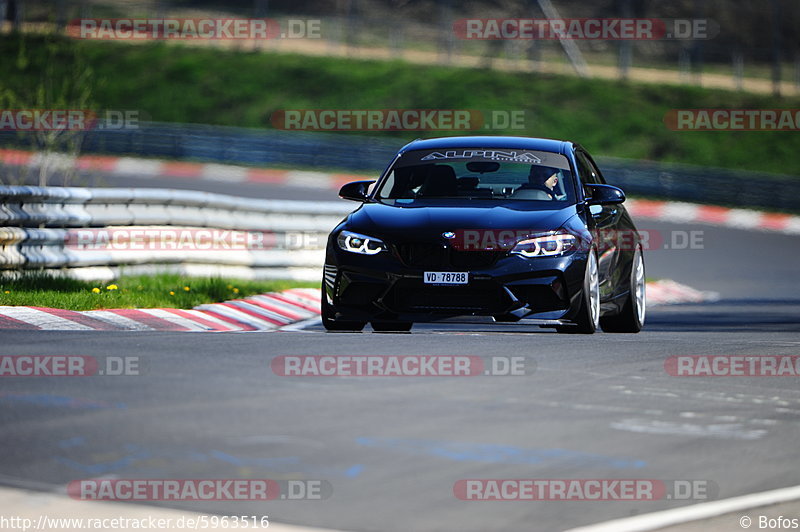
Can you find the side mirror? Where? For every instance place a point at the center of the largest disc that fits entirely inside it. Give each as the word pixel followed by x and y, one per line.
pixel 356 191
pixel 605 195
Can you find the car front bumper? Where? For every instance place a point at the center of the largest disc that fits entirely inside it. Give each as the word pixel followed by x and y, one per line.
pixel 386 287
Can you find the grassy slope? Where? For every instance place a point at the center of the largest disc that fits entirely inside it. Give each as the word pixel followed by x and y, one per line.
pixel 183 84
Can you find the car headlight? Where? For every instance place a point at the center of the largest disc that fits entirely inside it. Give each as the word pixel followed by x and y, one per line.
pixel 355 243
pixel 546 245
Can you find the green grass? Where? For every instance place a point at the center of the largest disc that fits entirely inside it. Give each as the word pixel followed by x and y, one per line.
pixel 174 83
pixel 158 291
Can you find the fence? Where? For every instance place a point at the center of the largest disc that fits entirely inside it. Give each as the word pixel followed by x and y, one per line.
pixel 98 233
pixel 750 44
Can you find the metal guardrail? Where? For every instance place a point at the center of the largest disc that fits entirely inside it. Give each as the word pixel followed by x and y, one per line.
pixel 58 228
pixel 258 147
pixel 359 153
pixel 695 184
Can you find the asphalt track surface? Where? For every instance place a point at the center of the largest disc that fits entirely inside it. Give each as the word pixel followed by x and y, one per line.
pixel 595 407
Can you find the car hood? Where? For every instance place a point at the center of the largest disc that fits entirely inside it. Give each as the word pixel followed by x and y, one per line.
pixel 430 221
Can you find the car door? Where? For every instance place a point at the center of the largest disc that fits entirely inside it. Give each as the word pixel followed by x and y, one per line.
pixel 606 220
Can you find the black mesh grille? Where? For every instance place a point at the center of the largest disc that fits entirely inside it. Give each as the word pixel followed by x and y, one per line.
pixel 438 256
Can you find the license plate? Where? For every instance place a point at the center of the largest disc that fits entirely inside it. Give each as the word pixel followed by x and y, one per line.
pixel 446 277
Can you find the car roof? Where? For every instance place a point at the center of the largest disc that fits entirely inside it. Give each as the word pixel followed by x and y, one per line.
pixel 524 143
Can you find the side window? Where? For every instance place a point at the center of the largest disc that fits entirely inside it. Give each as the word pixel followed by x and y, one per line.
pixel 585 172
pixel 588 172
pixel 388 186
pixel 594 169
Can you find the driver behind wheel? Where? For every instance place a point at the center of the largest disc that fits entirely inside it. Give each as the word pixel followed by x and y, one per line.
pixel 543 177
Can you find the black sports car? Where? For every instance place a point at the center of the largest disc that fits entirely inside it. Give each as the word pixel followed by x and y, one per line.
pixel 508 227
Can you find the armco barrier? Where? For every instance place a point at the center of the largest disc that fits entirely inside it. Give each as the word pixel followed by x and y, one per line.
pixel 369 154
pixel 41 225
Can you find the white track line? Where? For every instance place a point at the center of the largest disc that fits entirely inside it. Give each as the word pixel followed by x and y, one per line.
pixel 299 178
pixel 675 211
pixel 744 219
pixel 695 512
pixel 224 172
pixel 139 167
pixel 793 226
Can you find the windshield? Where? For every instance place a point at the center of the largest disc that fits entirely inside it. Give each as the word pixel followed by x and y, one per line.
pixel 480 174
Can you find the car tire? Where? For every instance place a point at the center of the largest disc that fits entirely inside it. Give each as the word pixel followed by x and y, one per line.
pixel 588 318
pixel 631 317
pixel 331 323
pixel 389 326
